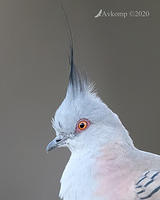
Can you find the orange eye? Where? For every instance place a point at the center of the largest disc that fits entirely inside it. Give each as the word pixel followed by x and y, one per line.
pixel 82 125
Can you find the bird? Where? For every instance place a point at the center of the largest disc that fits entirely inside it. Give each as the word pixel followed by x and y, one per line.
pixel 104 163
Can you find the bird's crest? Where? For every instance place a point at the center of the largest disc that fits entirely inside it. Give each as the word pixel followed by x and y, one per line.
pixel 78 82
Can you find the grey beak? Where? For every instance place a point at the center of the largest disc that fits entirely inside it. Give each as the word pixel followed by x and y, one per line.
pixel 57 141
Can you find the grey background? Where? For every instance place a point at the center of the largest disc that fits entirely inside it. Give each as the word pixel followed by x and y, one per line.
pixel 121 56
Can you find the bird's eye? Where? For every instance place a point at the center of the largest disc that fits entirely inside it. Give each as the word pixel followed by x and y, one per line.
pixel 82 125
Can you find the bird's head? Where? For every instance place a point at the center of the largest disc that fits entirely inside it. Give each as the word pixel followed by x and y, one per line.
pixel 82 120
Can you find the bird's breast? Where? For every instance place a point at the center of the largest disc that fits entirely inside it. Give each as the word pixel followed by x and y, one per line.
pixel 97 177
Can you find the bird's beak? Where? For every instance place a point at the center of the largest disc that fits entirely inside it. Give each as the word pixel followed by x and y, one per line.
pixel 57 141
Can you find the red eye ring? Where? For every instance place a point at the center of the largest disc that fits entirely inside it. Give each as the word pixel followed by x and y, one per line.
pixel 82 125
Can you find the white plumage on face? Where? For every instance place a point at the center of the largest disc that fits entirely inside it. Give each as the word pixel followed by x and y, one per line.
pixel 84 106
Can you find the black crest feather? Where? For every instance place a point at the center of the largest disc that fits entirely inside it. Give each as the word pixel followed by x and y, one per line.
pixel 78 82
